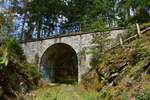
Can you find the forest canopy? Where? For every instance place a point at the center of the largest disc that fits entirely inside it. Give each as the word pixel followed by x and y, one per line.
pixel 42 17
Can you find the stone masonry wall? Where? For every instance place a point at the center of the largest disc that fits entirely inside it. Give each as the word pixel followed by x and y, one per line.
pixel 80 43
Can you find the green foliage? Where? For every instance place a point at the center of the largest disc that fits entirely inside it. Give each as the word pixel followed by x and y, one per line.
pixel 122 71
pixel 112 93
pixel 14 70
pixel 131 31
pixel 111 12
pixel 142 16
pixel 137 70
pixel 90 96
pixel 5 27
pixel 145 95
pixel 15 49
pixel 39 11
pixel 138 8
pixel 101 44
pixel 31 70
pixel 137 55
pixel 98 26
pixel 63 92
pixel 144 25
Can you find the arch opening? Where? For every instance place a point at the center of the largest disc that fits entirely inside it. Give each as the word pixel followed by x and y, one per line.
pixel 59 64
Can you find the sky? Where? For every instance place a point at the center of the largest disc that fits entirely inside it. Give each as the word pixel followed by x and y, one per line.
pixel 5 3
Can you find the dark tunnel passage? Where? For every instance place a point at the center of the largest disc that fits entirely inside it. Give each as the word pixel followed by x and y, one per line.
pixel 59 64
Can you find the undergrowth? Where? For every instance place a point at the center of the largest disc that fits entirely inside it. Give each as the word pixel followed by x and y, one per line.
pixel 17 76
pixel 124 72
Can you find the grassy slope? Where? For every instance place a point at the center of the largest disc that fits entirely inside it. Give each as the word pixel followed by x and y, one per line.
pixel 62 92
pixel 123 74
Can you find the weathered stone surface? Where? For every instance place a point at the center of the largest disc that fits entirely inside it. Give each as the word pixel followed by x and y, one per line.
pixel 77 42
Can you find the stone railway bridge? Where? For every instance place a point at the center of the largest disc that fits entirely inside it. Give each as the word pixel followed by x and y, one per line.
pixel 62 58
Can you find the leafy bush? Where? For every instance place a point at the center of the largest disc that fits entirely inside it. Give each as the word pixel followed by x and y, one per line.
pixel 101 42
pixel 31 70
pixel 101 39
pixel 15 49
pixel 14 70
pixel 98 26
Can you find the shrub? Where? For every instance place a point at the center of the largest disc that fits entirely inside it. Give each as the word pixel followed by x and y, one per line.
pixel 102 43
pixel 14 70
pixel 137 55
pixel 143 95
pixel 131 31
pixel 15 49
pixel 31 70
pixel 137 70
pixel 98 26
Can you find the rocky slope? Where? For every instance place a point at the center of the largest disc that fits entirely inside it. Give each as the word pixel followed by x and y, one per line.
pixel 124 72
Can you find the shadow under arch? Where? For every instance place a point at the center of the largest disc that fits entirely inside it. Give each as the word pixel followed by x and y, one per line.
pixel 59 64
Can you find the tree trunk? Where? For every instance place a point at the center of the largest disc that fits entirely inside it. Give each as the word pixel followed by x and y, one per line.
pixel 22 30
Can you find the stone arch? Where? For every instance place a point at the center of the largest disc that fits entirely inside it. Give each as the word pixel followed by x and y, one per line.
pixel 59 64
